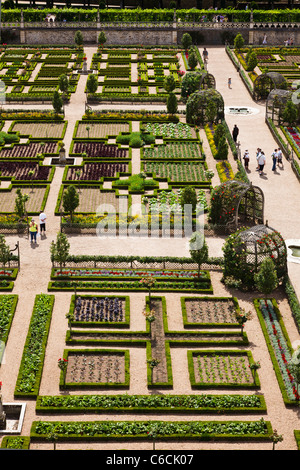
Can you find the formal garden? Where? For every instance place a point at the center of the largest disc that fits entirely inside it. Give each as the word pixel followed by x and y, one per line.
pixel 129 324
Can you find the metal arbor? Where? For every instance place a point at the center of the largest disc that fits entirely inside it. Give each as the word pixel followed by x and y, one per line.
pixel 245 250
pixel 276 102
pixel 237 203
pixel 266 82
pixel 198 104
pixel 260 242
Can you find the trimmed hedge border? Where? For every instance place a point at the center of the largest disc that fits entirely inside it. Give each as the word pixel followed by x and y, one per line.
pixel 40 322
pixel 237 431
pixel 220 404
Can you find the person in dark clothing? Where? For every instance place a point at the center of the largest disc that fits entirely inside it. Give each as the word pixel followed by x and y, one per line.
pixel 235 132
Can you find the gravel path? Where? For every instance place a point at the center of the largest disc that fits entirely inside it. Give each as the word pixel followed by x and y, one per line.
pixel 282 203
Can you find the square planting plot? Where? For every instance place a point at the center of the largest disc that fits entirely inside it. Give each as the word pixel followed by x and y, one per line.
pixel 30 150
pixel 95 171
pixel 96 368
pixel 174 150
pixel 40 130
pixel 205 311
pixel 177 172
pixel 37 197
pixel 100 311
pixel 171 130
pixel 99 150
pixel 101 130
pixel 90 198
pixel 221 369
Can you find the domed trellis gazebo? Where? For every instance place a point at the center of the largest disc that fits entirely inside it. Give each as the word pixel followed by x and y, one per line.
pixel 276 102
pixel 266 82
pixel 198 104
pixel 245 250
pixel 235 203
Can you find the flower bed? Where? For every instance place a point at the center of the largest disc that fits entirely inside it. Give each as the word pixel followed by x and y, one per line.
pixel 279 346
pixel 124 285
pixel 77 273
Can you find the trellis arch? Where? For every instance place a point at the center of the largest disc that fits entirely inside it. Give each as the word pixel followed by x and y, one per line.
pixel 235 203
pixel 245 250
pixel 197 105
pixel 266 82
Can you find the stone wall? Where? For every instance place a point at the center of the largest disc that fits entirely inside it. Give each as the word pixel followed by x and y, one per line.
pixel 208 37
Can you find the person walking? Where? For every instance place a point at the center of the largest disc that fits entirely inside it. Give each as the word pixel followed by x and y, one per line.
pixel 258 152
pixel 261 161
pixel 33 230
pixel 246 159
pixel 274 159
pixel 235 133
pixel 229 82
pixel 205 55
pixel 279 157
pixel 42 218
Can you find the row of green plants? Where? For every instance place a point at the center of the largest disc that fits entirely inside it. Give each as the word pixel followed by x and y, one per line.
pixel 8 304
pixel 31 367
pixel 148 15
pixel 127 430
pixel 220 404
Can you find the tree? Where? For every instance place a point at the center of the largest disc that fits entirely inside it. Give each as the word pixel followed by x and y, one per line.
pixel 172 104
pixel 275 437
pixel 242 317
pixel 70 200
pixel 198 249
pixel 211 111
pixel 192 60
pixel 188 196
pixel 60 250
pixel 78 38
pixel 252 61
pixel 148 282
pixel 102 38
pixel 239 41
pixel 219 132
pixel 92 83
pixel 57 102
pixel 186 41
pixel 169 83
pixel 4 252
pixel 63 83
pixel 20 202
pixel 222 149
pixel 290 113
pixel 63 365
pixel 266 279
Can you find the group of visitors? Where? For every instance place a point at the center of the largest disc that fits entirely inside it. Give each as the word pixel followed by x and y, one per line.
pixel 289 42
pixel 261 160
pixel 34 229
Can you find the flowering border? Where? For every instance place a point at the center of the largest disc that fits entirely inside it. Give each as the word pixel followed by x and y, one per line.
pixel 279 346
